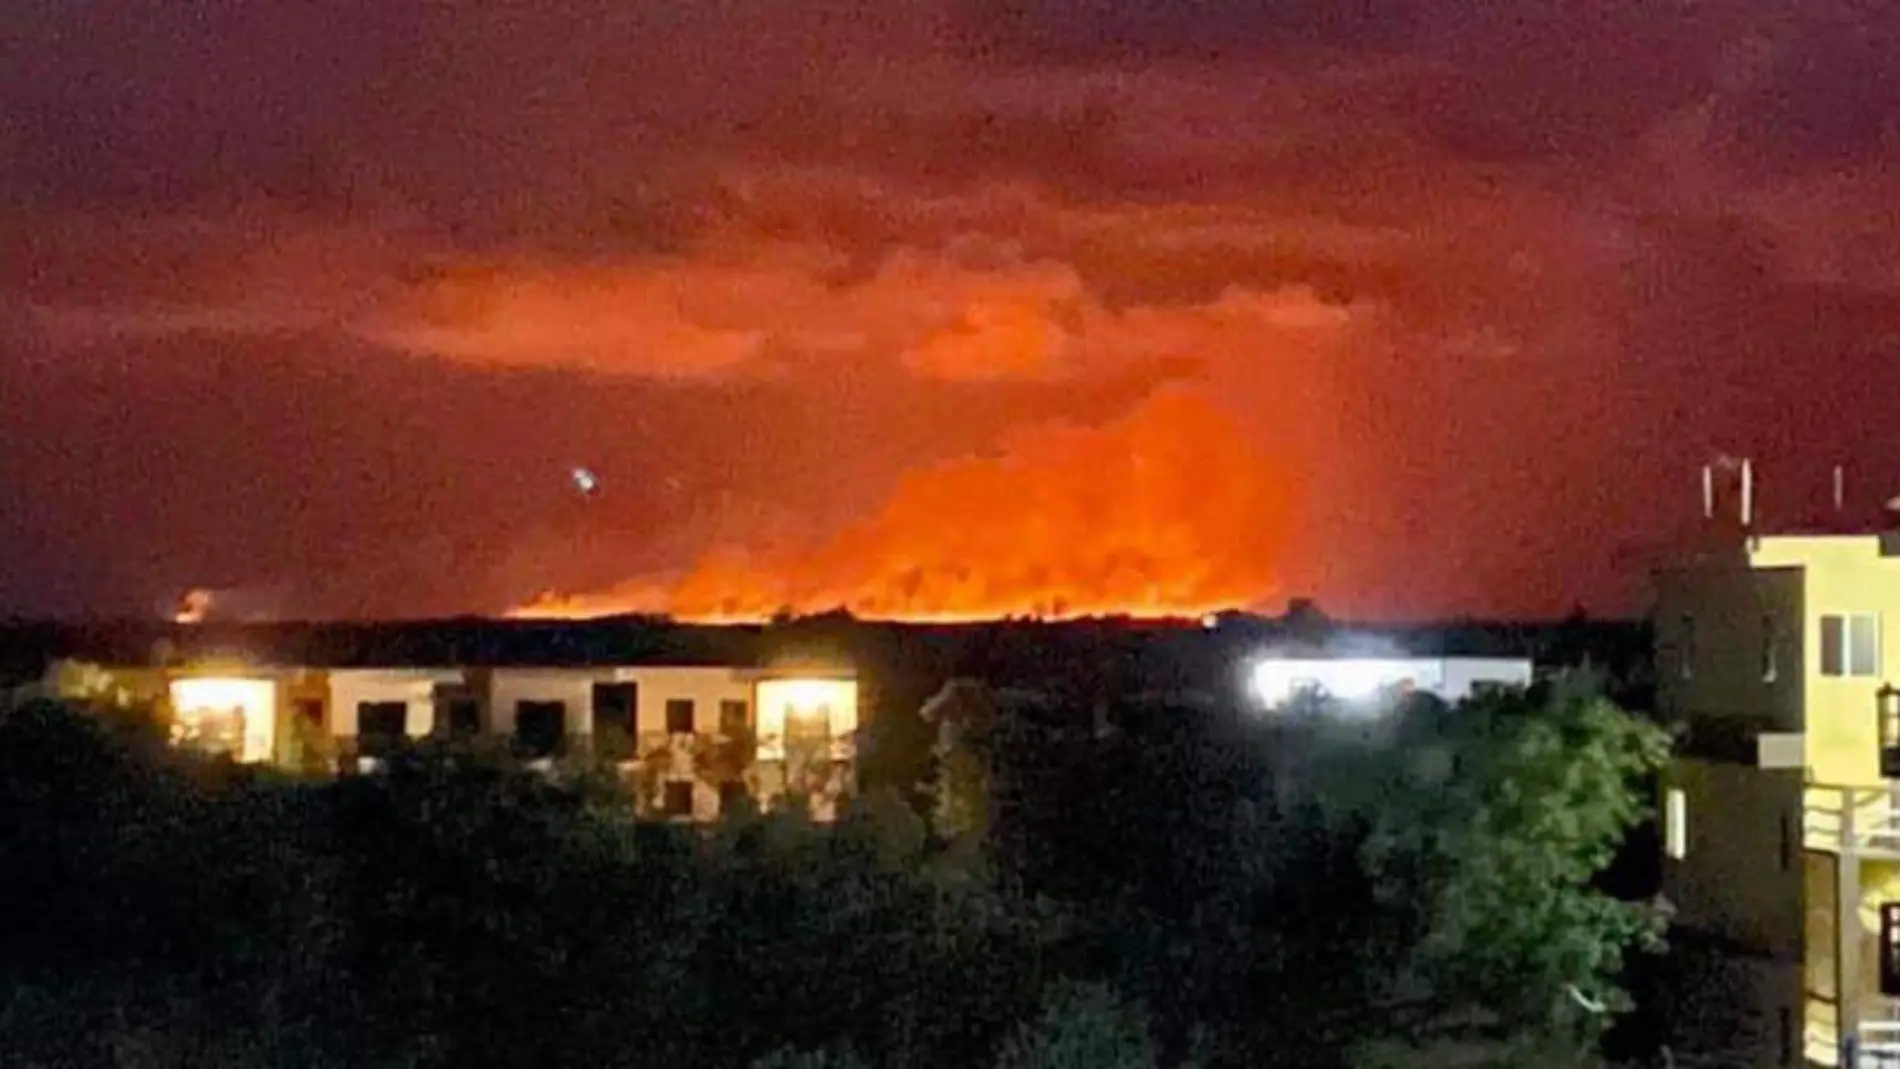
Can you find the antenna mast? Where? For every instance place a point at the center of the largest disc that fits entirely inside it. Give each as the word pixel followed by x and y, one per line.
pixel 1708 491
pixel 1840 487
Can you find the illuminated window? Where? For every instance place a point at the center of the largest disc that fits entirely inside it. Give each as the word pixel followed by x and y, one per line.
pixel 227 716
pixel 679 716
pixel 1676 824
pixel 802 709
pixel 809 723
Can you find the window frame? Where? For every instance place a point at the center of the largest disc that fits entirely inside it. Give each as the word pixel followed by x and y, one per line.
pixel 1837 637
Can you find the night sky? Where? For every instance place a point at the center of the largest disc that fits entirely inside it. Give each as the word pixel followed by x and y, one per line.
pixel 1420 307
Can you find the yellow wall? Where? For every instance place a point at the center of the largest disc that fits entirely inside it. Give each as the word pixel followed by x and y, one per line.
pixel 1844 575
pixel 1880 883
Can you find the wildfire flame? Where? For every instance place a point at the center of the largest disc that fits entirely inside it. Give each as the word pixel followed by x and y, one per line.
pixel 193 607
pixel 1170 512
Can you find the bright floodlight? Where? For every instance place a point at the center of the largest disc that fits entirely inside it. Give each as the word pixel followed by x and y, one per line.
pixel 237 716
pixel 1276 681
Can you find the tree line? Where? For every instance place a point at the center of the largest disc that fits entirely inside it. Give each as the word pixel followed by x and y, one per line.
pixel 1064 882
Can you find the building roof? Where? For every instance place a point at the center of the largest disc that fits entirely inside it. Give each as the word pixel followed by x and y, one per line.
pixel 1008 649
pixel 487 643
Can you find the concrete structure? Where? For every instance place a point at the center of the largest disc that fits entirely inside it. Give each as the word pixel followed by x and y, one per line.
pixel 689 739
pixel 1776 657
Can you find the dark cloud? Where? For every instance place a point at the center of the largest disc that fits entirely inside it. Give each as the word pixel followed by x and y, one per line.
pixel 1827 95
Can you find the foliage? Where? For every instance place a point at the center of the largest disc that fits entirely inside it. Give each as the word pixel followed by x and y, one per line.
pixel 1082 1027
pixel 824 1059
pixel 1491 835
pixel 1310 892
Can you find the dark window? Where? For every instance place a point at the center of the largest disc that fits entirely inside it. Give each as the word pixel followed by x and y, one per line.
pixel 539 728
pixel 679 716
pixel 678 798
pixel 465 718
pixel 1787 843
pixel 734 799
pixel 1890 948
pixel 309 714
pixel 1833 645
pixel 616 712
pixel 1784 1018
pixel 380 727
pixel 733 717
pixel 1887 707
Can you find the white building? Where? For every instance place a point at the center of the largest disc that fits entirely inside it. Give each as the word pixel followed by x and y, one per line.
pixel 1276 679
pixel 689 738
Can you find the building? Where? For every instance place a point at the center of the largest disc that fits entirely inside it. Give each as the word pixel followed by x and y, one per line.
pixel 690 739
pixel 1357 666
pixel 1782 848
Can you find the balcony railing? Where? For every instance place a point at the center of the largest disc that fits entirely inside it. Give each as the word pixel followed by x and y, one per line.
pixel 1879 1043
pixel 1859 819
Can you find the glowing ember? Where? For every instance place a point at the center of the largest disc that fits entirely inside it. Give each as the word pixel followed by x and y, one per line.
pixel 1170 513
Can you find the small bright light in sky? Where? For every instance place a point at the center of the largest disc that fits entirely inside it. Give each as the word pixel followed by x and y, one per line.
pixel 586 481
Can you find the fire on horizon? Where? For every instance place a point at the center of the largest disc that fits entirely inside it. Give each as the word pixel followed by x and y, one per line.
pixel 925 313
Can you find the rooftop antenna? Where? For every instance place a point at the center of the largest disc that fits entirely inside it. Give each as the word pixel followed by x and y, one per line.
pixel 1748 494
pixel 1840 487
pixel 1708 491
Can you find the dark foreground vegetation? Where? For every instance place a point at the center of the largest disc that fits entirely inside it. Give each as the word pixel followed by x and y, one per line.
pixel 1070 884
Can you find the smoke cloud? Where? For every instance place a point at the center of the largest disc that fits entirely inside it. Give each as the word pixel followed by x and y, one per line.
pixel 921 309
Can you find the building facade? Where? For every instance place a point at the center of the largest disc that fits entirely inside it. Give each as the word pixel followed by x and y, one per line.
pixel 692 741
pixel 1277 679
pixel 1781 832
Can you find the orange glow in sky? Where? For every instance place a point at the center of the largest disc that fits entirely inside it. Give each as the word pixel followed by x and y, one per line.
pixel 1169 512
